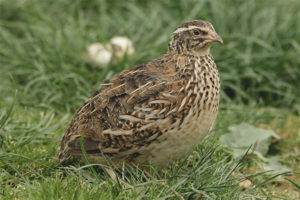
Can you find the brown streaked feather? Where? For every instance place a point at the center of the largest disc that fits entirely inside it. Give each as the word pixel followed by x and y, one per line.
pixel 151 113
pixel 118 98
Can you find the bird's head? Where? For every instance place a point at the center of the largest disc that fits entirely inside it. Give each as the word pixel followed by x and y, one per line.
pixel 194 37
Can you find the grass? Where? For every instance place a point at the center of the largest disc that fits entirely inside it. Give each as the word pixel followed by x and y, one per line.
pixel 44 80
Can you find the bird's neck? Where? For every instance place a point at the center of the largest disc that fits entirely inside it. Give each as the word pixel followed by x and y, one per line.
pixel 187 56
pixel 193 53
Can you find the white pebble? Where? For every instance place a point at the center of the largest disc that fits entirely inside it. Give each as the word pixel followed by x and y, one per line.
pixel 121 46
pixel 99 55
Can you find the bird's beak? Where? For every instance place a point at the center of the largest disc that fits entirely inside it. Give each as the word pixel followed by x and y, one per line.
pixel 216 38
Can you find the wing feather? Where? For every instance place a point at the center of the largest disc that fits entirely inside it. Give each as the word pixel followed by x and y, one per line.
pixel 118 116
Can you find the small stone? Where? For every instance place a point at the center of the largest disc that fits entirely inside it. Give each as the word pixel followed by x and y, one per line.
pixel 121 46
pixel 98 55
pixel 245 184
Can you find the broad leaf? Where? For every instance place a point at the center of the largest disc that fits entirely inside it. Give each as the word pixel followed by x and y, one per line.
pixel 242 136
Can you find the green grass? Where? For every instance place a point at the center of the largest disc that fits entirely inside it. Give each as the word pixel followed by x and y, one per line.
pixel 44 79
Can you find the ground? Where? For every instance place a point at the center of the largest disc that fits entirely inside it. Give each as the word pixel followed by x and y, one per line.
pixel 44 79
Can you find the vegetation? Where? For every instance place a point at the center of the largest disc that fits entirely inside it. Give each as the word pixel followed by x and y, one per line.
pixel 44 79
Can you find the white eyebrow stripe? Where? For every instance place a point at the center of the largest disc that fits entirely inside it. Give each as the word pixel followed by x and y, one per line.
pixel 185 29
pixel 190 28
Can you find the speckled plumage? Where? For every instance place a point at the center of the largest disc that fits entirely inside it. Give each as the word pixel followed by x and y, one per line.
pixel 153 113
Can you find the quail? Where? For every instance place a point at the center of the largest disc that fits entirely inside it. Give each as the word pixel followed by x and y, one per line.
pixel 154 113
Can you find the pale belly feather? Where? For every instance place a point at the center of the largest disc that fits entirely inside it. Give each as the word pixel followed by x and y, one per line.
pixel 176 143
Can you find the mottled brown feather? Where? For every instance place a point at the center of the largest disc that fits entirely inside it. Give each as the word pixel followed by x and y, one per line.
pixel 139 115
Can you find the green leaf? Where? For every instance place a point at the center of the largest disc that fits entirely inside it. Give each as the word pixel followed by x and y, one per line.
pixel 242 136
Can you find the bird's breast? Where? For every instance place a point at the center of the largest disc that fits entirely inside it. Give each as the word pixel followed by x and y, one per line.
pixel 194 114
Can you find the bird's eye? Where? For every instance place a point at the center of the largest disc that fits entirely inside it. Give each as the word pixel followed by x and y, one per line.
pixel 196 32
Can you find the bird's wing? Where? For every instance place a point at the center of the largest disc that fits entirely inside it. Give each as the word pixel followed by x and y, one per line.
pixel 130 111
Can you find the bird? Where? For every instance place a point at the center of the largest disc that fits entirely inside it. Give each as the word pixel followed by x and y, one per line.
pixel 154 113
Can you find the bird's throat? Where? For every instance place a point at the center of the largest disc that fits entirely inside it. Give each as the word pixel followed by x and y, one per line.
pixel 201 52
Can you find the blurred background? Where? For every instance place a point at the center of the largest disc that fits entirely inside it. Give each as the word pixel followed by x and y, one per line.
pixel 42 46
pixel 45 78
